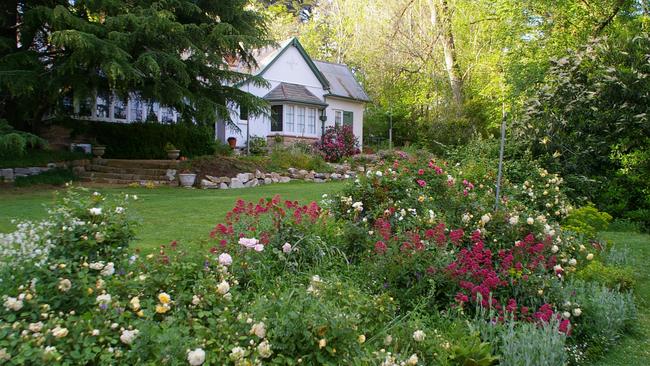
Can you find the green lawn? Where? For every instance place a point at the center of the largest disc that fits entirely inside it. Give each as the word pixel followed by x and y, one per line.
pixel 166 214
pixel 634 349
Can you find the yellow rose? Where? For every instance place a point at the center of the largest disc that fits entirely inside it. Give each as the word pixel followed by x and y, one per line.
pixel 164 298
pixel 322 343
pixel 140 313
pixel 161 309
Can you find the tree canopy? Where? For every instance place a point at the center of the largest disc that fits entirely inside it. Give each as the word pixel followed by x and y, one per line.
pixel 171 51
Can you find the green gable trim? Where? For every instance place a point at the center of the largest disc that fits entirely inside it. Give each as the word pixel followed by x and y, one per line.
pixel 294 42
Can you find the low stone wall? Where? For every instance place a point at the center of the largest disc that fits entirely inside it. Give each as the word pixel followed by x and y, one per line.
pixel 258 178
pixel 10 174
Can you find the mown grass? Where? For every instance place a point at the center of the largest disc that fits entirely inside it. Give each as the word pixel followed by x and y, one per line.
pixel 634 349
pixel 165 214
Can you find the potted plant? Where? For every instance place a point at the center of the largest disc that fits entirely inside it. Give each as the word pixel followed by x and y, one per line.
pixel 172 152
pixel 232 141
pixel 98 150
pixel 186 176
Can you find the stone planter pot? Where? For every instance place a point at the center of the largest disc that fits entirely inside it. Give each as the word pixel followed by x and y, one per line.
pixel 98 151
pixel 187 179
pixel 173 154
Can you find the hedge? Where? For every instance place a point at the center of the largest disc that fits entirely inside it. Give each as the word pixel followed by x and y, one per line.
pixel 144 140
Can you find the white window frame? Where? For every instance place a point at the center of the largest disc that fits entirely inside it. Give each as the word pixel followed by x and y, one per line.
pixel 338 117
pixel 289 114
pixel 300 124
pixel 311 121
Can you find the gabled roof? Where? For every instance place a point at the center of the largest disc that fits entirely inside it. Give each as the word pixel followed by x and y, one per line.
pixel 342 82
pixel 286 92
pixel 337 79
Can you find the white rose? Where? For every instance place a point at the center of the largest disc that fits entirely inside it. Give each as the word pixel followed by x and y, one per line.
pixel 419 335
pixel 259 329
pixel 96 265
pixel 573 262
pixel 566 315
pixel 264 349
pixel 530 221
pixel 65 285
pixel 11 303
pixel 590 256
pixel 413 360
pixel 577 312
pixel 59 332
pixel 196 300
pixel 514 220
pixel 104 299
pixel 128 336
pixel 555 249
pixel 95 211
pixel 223 288
pixel 108 270
pixel 36 327
pixel 286 248
pixel 237 353
pixel 196 357
pixel 485 219
pixel 95 332
pixel 225 259
pixel 259 247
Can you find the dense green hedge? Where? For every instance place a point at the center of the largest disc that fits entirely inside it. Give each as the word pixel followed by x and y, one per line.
pixel 144 140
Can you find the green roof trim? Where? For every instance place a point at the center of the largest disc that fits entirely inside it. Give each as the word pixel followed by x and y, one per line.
pixel 294 42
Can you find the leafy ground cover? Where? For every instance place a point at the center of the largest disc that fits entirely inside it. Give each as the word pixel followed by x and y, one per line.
pixel 165 214
pixel 36 157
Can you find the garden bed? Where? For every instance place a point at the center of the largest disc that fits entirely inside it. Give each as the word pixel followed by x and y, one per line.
pixel 409 265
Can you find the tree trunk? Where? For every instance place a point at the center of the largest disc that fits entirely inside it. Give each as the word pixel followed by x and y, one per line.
pixel 441 22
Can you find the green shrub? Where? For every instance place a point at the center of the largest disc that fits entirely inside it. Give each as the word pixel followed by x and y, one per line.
pixel 41 158
pixel 613 277
pixel 587 220
pixel 15 143
pixel 258 145
pixel 55 177
pixel 145 140
pixel 606 315
pixel 222 148
pixel 282 158
pixel 527 344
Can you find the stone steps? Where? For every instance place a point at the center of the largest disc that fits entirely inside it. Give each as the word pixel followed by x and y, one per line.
pixel 127 181
pixel 132 170
pixel 138 164
pixel 121 171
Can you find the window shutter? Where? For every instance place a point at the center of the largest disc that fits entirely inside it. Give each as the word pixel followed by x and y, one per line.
pixel 348 119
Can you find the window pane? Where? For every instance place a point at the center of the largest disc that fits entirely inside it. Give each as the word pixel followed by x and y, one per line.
pixel 167 115
pixel 137 108
pixel 151 111
pixel 301 120
pixel 85 107
pixel 347 118
pixel 101 108
pixel 338 117
pixel 311 121
pixel 119 109
pixel 276 118
pixel 290 118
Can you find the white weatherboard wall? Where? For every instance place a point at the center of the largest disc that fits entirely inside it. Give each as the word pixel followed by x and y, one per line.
pixel 290 67
pixel 343 104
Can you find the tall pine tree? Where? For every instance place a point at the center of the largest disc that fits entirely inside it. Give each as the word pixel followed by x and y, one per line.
pixel 172 51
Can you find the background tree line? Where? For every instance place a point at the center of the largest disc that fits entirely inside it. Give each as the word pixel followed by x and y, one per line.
pixel 572 75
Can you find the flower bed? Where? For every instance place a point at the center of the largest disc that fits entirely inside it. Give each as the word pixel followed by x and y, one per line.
pixel 409 265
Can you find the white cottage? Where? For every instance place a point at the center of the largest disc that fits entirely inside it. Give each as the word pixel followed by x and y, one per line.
pixel 304 95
